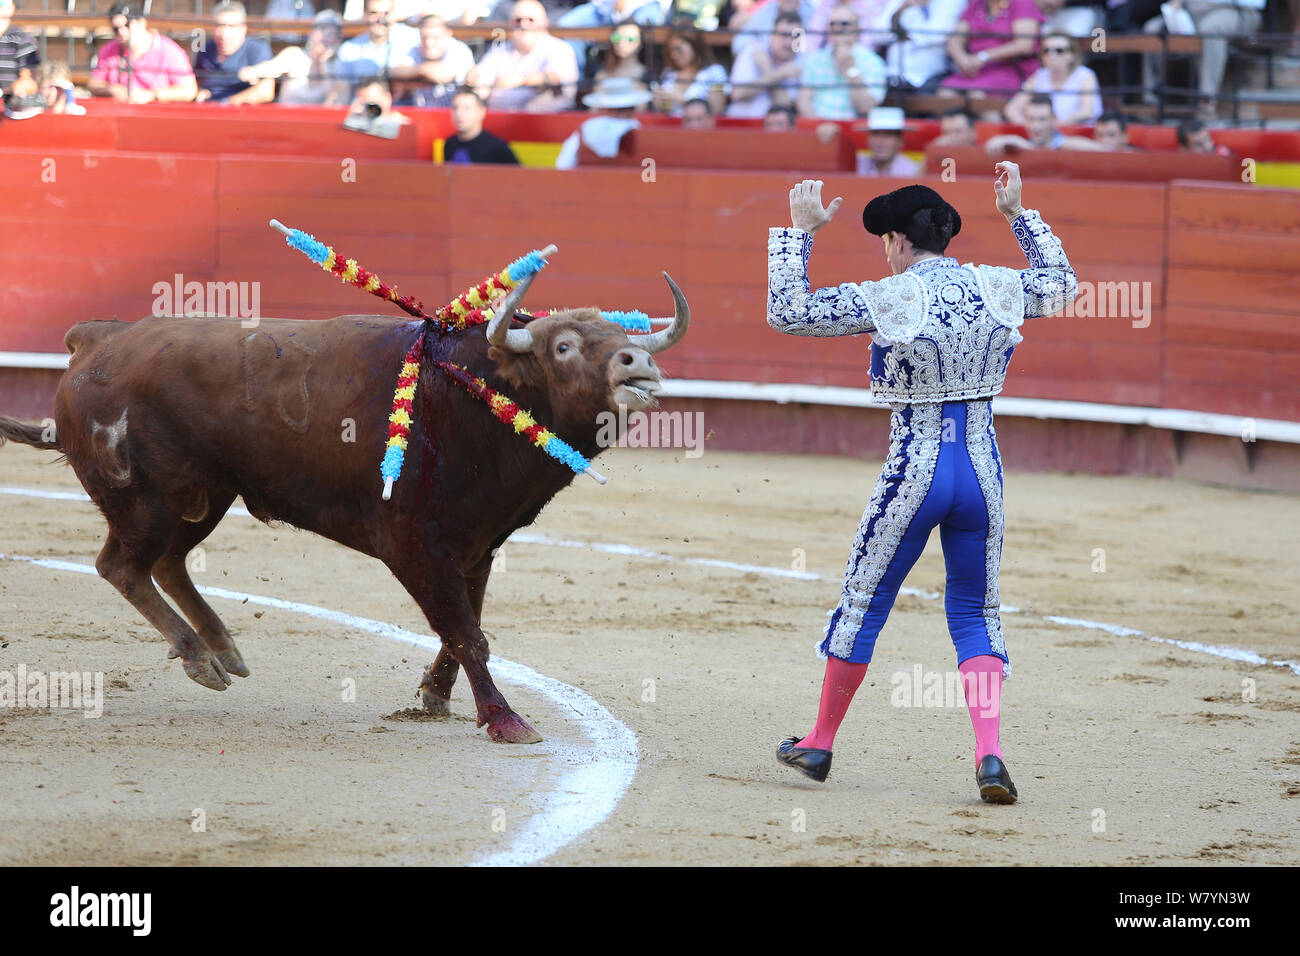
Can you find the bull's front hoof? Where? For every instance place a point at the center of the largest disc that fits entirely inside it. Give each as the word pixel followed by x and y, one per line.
pixel 512 729
pixel 233 662
pixel 433 704
pixel 207 672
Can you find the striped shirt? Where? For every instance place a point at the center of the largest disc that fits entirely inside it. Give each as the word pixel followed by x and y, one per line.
pixel 18 51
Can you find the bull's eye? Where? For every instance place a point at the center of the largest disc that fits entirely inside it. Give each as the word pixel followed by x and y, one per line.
pixel 562 348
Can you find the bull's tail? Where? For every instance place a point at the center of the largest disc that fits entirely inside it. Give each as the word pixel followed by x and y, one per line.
pixel 34 435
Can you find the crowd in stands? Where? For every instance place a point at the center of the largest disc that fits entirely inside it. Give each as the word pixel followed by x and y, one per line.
pixel 788 59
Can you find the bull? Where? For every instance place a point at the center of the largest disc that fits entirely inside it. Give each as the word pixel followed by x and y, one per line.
pixel 167 420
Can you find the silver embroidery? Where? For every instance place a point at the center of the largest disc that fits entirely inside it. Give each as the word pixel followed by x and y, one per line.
pixel 913 452
pixel 980 443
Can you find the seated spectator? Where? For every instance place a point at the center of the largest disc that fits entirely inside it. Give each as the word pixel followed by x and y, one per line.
pixel 1074 18
pixel 54 82
pixel 698 114
pixel 689 73
pixel 993 47
pixel 844 79
pixel 885 142
pixel 19 54
pixel 1040 124
pixel 1075 92
pixel 472 143
pixel 604 13
pixel 309 75
pixel 623 55
pixel 441 63
pixel 780 119
pixel 219 63
pixel 139 65
pixel 919 58
pixel 1215 22
pixel 383 46
pixel 533 71
pixel 616 99
pixel 957 128
pixel 763 77
pixel 1194 137
pixel 372 111
pixel 1111 132
pixel 290 10
pixel 759 23
pixel 874 18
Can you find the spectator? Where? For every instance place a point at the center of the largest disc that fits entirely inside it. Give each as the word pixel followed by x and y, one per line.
pixel 615 100
pixel 689 73
pixel 440 65
pixel 139 65
pixel 874 18
pixel 993 46
pixel 844 79
pixel 765 77
pixel 1194 137
pixel 919 58
pixel 231 51
pixel 1075 93
pixel 623 55
pixel 780 119
pixel 1215 22
pixel 19 54
pixel 290 10
pixel 372 110
pixel 885 141
pixel 1074 18
pixel 54 82
pixel 383 46
pixel 1111 132
pixel 310 75
pixel 697 114
pixel 534 71
pixel 1040 124
pixel 1128 16
pixel 472 143
pixel 758 25
pixel 957 128
pixel 598 13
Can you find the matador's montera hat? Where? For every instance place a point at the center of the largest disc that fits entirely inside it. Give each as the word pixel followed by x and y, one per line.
pixel 892 212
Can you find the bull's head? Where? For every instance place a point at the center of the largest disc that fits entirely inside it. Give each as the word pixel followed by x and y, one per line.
pixel 585 364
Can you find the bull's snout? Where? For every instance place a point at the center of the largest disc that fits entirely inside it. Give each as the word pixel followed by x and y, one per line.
pixel 633 362
pixel 634 377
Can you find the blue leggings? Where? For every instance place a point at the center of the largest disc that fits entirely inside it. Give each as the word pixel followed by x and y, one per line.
pixel 943 469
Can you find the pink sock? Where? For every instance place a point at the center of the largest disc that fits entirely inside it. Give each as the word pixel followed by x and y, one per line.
pixel 982 680
pixel 838 687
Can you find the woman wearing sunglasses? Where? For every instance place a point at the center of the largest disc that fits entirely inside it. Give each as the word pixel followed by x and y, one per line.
pixel 1073 87
pixel 623 55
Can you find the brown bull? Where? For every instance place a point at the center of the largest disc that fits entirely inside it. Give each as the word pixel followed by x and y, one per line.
pixel 165 421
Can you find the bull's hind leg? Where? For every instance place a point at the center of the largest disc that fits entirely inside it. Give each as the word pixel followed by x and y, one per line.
pixel 441 591
pixel 128 571
pixel 173 577
pixel 440 676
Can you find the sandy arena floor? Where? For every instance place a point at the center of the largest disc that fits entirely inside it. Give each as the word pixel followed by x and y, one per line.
pixel 1125 750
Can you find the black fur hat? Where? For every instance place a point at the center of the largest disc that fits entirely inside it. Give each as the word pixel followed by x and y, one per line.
pixel 892 212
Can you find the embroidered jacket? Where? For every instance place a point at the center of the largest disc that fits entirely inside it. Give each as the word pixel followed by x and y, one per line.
pixel 940 331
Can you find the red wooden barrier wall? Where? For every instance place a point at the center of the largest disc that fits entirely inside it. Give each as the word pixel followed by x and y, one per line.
pixel 87 233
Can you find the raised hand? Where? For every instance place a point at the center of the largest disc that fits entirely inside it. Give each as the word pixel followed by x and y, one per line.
pixel 806 211
pixel 1007 187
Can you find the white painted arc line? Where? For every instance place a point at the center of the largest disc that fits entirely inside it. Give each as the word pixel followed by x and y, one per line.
pixel 594 779
pixel 1230 653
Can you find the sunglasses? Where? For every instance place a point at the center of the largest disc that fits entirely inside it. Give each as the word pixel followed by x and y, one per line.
pixel 520 21
pixel 842 24
pixel 624 37
pixel 1056 49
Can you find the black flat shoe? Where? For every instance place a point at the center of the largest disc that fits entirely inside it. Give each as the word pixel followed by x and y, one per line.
pixel 994 781
pixel 809 761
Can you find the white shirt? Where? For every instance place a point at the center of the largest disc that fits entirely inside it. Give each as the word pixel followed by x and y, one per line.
pixel 744 72
pixel 924 53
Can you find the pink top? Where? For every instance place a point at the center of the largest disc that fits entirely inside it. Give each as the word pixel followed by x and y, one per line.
pixel 1005 76
pixel 901 167
pixel 164 64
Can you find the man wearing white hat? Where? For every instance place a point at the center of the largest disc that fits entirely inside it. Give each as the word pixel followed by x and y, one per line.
pixel 885 139
pixel 616 98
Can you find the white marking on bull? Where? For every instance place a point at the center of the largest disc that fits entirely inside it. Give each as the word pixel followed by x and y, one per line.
pixel 111 450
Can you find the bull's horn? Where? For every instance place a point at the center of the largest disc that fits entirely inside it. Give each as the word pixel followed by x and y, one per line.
pixel 499 332
pixel 667 338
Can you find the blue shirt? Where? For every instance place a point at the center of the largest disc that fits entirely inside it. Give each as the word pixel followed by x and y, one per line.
pixel 220 77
